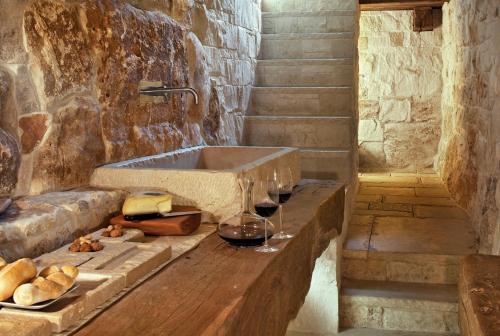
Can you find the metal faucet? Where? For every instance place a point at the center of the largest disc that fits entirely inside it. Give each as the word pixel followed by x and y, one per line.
pixel 162 90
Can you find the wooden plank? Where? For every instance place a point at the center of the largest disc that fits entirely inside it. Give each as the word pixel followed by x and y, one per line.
pixel 221 290
pixel 378 5
pixel 423 19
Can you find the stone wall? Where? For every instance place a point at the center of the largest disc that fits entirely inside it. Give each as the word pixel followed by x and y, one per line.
pixel 69 76
pixel 399 92
pixel 469 151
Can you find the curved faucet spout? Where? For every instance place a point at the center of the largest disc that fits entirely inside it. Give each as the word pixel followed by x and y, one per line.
pixel 163 90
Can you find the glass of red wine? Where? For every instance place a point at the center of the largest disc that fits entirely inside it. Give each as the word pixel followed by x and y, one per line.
pixel 266 202
pixel 285 187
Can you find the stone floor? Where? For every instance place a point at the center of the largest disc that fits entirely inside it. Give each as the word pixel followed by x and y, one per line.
pixel 400 212
pixel 401 256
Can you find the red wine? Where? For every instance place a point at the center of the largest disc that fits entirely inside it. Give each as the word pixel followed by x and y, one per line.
pixel 266 209
pixel 240 236
pixel 285 196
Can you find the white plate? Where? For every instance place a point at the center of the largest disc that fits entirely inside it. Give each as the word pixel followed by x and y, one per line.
pixel 39 305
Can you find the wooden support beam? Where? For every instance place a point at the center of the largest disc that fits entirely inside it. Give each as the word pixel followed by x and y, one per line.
pixel 379 5
pixel 422 19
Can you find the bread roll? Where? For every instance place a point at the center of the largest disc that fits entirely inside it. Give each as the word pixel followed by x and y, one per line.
pixel 62 279
pixel 39 290
pixel 49 288
pixel 49 270
pixel 71 271
pixel 15 274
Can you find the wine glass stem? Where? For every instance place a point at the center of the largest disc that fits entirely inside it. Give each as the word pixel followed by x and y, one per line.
pixel 265 233
pixel 281 218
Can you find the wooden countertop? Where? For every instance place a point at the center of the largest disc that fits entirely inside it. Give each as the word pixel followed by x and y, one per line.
pixel 217 289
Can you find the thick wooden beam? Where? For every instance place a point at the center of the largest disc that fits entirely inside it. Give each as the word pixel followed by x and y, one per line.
pixel 220 290
pixel 379 5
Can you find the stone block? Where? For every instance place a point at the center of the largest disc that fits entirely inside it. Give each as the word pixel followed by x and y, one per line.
pixel 302 132
pixel 370 130
pixel 394 110
pixel 37 224
pixel 368 109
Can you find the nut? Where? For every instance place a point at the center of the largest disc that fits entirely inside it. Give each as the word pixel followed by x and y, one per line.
pixel 85 247
pixel 96 246
pixel 105 233
pixel 74 247
pixel 115 233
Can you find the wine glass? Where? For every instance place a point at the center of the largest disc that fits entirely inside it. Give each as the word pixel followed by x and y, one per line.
pixel 266 203
pixel 285 185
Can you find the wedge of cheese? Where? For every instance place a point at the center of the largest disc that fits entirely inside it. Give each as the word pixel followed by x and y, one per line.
pixel 147 203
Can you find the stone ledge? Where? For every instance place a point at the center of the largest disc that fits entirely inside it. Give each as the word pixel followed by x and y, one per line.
pixel 34 225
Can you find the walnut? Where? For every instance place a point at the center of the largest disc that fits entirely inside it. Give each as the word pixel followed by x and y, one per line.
pixel 96 246
pixel 115 233
pixel 85 247
pixel 75 247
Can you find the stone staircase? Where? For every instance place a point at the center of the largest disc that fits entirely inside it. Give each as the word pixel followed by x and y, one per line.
pixel 303 94
pixel 401 256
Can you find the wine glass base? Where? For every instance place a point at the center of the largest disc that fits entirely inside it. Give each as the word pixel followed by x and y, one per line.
pixel 282 235
pixel 267 249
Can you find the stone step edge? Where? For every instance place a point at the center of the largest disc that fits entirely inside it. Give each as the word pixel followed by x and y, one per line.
pixel 380 332
pixel 384 291
pixel 306 61
pixel 327 150
pixel 253 114
pixel 309 36
pixel 339 12
pixel 265 117
pixel 445 259
pixel 294 89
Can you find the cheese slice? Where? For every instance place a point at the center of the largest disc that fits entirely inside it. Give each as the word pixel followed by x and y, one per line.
pixel 147 203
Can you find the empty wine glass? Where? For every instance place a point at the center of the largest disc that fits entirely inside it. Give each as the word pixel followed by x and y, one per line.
pixel 285 185
pixel 266 203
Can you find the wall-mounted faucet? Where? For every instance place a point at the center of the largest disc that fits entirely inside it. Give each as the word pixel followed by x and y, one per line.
pixel 160 89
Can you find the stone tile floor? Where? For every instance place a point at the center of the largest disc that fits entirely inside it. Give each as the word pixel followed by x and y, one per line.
pixel 408 213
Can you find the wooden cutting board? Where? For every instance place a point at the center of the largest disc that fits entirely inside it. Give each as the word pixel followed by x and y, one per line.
pixel 168 226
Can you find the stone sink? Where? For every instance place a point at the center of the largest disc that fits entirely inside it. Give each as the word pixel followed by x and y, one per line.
pixel 203 176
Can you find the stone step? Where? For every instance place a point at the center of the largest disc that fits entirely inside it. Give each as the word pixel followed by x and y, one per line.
pixel 309 73
pixel 302 101
pixel 307 46
pixel 332 21
pixel 302 132
pixel 399 267
pixel 378 332
pixel 326 164
pixel 399 306
pixel 306 5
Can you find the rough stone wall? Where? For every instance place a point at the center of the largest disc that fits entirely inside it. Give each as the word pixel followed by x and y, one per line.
pixel 469 151
pixel 70 73
pixel 399 92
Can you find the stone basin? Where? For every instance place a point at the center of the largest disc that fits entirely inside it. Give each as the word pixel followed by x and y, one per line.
pixel 203 176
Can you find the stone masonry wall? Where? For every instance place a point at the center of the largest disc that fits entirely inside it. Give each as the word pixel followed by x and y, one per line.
pixel 399 92
pixel 469 151
pixel 69 75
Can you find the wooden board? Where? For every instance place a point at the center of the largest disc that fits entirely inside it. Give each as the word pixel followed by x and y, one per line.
pixel 169 226
pixel 217 289
pixel 479 295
